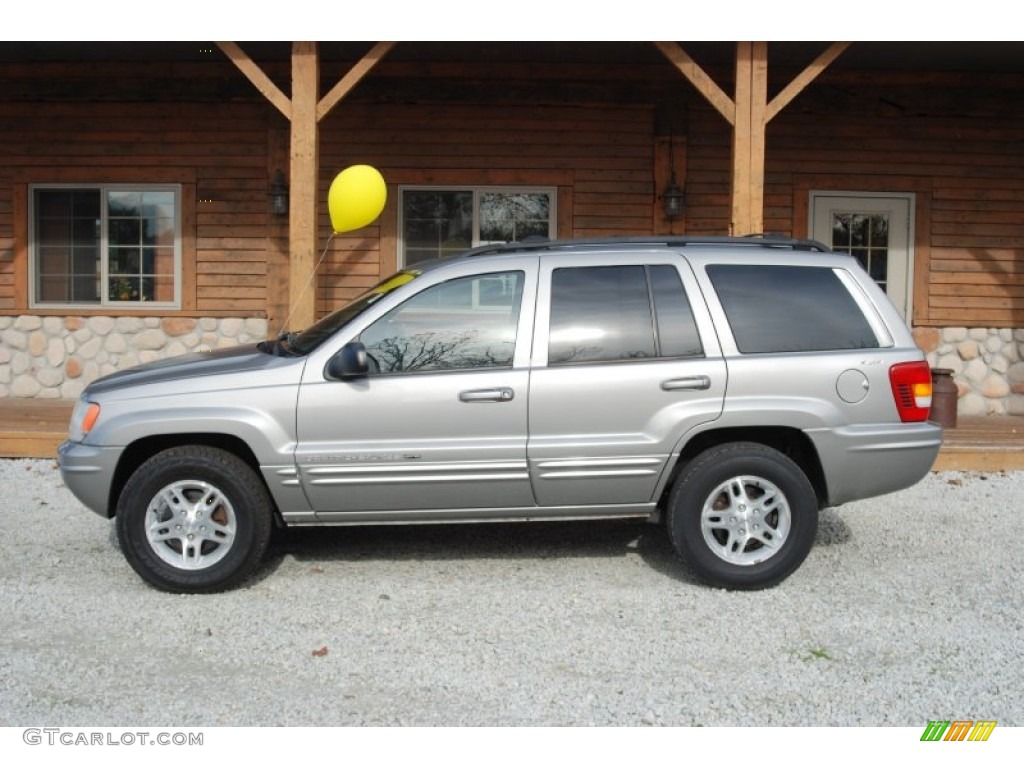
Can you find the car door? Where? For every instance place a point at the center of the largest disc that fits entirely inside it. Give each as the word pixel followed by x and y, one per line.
pixel 625 363
pixel 437 430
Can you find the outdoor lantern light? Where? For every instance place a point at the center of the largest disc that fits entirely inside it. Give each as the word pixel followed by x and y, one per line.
pixel 672 198
pixel 279 194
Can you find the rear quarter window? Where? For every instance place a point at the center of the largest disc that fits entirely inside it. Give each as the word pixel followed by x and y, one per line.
pixel 774 308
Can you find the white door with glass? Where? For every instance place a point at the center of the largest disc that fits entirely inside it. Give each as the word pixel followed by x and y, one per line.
pixel 876 230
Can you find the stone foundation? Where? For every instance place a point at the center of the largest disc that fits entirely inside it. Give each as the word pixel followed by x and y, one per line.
pixel 986 363
pixel 56 357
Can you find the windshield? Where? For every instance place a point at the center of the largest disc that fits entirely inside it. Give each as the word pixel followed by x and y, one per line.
pixel 305 342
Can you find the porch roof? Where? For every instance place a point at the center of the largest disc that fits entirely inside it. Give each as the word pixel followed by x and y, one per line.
pixel 1006 57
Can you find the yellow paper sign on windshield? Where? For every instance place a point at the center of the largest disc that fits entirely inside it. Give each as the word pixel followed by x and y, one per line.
pixel 395 281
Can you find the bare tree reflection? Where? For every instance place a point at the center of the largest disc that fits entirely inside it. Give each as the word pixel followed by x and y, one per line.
pixel 438 350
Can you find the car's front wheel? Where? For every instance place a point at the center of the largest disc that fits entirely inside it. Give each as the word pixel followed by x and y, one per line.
pixel 194 519
pixel 742 516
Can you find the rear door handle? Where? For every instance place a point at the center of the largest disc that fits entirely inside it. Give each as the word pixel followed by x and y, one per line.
pixel 686 382
pixel 496 395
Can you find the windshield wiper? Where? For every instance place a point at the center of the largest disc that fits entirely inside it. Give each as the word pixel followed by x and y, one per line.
pixel 281 346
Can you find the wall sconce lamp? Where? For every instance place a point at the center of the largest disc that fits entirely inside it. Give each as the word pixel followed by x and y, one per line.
pixel 278 194
pixel 673 198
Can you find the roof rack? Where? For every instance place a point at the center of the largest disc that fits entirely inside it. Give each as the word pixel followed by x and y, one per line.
pixel 668 241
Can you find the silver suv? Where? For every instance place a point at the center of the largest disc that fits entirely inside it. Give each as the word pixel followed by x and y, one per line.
pixel 728 387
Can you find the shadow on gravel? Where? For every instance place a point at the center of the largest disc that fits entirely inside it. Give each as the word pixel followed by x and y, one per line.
pixel 832 529
pixel 496 541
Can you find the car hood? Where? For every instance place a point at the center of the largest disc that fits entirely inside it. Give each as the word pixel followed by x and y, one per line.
pixel 197 364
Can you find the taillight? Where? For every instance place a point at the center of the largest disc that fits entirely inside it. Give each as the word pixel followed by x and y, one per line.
pixel 912 390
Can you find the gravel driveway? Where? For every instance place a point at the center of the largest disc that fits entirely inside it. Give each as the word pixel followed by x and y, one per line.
pixel 908 609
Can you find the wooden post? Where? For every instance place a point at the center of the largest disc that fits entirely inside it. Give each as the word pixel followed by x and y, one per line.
pixel 305 164
pixel 748 155
pixel 748 114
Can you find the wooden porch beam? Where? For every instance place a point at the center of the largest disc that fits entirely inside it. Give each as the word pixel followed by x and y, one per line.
pixel 305 171
pixel 258 78
pixel 804 79
pixel 352 78
pixel 700 80
pixel 748 153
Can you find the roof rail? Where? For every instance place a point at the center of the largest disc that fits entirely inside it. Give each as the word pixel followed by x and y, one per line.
pixel 668 241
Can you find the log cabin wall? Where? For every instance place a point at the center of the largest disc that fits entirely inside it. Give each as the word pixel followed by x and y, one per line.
pixel 217 152
pixel 595 133
pixel 599 159
pixel 956 144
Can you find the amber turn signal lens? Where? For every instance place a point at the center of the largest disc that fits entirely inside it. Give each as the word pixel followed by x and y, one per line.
pixel 90 417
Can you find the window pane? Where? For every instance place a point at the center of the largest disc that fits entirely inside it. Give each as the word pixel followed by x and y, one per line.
pixel 160 288
pixel 677 330
pixel 448 327
pixel 158 204
pixel 123 232
pixel 510 216
pixel 124 288
pixel 53 203
pixel 66 245
pixel 124 203
pixel 86 203
pixel 600 314
pixel 789 309
pixel 436 223
pixel 158 232
pixel 54 288
pixel 123 260
pixel 54 231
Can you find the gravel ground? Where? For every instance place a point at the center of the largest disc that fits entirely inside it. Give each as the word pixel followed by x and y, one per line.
pixel 907 610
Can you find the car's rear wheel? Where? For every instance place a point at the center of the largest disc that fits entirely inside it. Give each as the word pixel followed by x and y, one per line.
pixel 742 516
pixel 194 519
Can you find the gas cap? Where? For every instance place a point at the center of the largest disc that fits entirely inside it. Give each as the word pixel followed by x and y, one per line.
pixel 852 386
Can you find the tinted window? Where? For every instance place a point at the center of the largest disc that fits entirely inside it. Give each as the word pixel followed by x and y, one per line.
pixel 465 323
pixel 606 314
pixel 600 313
pixel 677 331
pixel 789 309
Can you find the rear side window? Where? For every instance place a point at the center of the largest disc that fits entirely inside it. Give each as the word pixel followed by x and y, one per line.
pixel 774 308
pixel 610 314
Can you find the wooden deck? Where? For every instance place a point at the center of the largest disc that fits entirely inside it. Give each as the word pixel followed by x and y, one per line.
pixel 34 428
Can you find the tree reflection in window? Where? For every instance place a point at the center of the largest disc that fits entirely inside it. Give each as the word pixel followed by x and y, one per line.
pixel 465 323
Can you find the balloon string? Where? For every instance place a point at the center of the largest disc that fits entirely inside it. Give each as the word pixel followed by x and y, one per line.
pixel 305 288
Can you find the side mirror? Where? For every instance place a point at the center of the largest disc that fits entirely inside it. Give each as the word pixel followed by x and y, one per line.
pixel 350 363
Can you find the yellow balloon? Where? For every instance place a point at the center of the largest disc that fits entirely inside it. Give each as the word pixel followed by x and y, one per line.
pixel 356 197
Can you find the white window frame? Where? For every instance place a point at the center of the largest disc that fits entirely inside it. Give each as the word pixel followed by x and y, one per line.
pixel 551 192
pixel 104 302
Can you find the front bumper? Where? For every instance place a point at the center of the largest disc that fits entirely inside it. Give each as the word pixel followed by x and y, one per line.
pixel 88 472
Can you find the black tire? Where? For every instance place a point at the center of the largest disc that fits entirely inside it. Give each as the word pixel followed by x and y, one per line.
pixel 742 516
pixel 194 519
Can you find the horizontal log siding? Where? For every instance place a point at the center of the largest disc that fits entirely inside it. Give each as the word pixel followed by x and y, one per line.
pixel 972 166
pixel 222 147
pixel 6 239
pixel 602 155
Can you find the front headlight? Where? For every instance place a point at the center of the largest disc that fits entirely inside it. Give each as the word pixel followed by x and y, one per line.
pixel 83 419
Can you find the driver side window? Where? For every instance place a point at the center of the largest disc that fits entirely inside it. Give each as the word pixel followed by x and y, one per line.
pixel 466 323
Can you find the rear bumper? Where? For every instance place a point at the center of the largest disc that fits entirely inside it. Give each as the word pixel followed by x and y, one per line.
pixel 87 472
pixel 871 460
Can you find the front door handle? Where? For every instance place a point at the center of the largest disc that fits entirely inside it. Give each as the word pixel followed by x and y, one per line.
pixel 686 382
pixel 496 395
